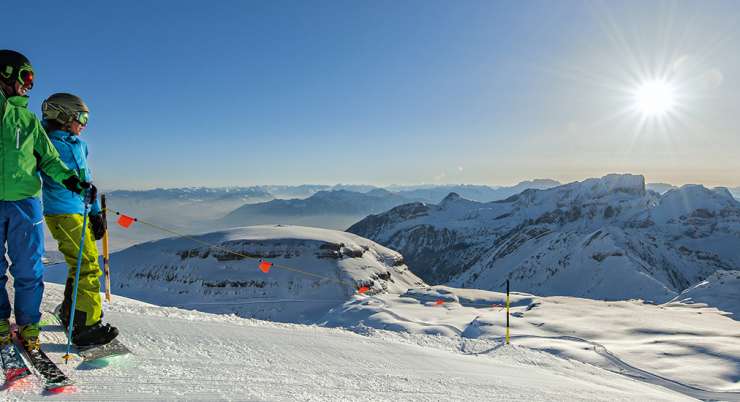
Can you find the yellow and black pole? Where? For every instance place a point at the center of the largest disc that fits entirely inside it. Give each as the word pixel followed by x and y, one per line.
pixel 106 257
pixel 507 311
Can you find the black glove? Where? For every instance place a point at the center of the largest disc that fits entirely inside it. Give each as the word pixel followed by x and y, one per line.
pixel 98 224
pixel 74 185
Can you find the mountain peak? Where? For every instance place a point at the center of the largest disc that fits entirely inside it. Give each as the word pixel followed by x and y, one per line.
pixel 538 183
pixel 628 183
pixel 451 197
pixel 691 199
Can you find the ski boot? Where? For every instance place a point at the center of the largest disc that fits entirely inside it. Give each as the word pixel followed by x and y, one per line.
pixel 93 335
pixel 86 336
pixel 5 333
pixel 30 335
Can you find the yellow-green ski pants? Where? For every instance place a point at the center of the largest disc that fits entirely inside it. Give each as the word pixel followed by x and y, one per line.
pixel 67 231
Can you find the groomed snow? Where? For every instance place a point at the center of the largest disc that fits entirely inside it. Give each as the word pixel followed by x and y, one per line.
pixel 186 355
pixel 687 348
pixel 694 346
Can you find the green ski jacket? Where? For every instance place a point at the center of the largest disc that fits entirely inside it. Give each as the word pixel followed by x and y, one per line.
pixel 24 150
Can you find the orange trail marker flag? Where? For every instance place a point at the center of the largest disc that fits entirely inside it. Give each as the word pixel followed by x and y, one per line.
pixel 265 266
pixel 363 289
pixel 125 221
pixel 439 302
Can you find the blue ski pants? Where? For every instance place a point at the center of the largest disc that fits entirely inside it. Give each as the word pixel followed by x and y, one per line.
pixel 22 229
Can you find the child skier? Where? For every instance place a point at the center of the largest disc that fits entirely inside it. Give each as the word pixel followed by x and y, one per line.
pixel 65 117
pixel 24 150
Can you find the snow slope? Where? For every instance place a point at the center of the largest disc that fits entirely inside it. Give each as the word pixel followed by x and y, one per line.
pixel 721 290
pixel 186 355
pixel 578 239
pixel 652 343
pixel 690 348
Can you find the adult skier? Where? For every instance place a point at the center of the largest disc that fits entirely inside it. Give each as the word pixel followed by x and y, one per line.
pixel 65 117
pixel 24 150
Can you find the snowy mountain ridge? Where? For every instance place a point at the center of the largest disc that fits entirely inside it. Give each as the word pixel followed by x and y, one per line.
pixel 578 239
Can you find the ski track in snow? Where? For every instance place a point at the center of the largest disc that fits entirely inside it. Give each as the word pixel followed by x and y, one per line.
pixel 187 355
pixel 646 376
pixel 624 368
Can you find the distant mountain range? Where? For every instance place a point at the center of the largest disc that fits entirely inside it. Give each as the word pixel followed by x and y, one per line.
pixel 336 209
pixel 188 210
pixel 201 209
pixel 436 194
pixel 578 239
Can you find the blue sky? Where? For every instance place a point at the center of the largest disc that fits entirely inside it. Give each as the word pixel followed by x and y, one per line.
pixel 285 92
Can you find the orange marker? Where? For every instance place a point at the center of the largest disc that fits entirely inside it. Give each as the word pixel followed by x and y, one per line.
pixel 125 221
pixel 265 266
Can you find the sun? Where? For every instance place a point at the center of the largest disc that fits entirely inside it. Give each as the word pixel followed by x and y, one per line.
pixel 655 98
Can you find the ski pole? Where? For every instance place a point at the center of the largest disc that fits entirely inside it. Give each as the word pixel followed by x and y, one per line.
pixel 87 201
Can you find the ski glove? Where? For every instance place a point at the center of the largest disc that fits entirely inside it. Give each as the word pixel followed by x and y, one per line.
pixel 74 184
pixel 99 225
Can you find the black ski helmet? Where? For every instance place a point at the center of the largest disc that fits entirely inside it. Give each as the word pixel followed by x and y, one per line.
pixel 11 64
pixel 63 107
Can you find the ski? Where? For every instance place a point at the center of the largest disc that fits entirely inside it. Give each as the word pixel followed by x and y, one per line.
pixel 55 381
pixel 14 367
pixel 91 353
pixel 110 349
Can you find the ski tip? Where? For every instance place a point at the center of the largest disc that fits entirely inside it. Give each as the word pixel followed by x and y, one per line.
pixel 63 389
pixel 19 382
pixel 16 374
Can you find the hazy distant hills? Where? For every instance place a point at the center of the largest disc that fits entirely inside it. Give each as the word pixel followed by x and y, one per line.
pixel 337 209
pixel 187 210
pixel 436 194
pixel 340 208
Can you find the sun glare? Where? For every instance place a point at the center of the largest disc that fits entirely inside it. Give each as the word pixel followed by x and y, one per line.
pixel 655 98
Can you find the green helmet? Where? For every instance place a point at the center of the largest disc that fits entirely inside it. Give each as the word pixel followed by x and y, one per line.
pixel 64 108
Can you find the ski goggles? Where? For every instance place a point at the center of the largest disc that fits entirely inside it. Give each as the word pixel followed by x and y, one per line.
pixel 82 117
pixel 24 76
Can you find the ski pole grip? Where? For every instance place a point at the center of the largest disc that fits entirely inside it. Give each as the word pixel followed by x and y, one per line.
pixel 90 194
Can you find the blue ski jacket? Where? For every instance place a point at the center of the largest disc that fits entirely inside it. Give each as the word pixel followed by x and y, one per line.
pixel 57 199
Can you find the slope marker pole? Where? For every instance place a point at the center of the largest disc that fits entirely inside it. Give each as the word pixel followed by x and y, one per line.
pixel 507 311
pixel 106 250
